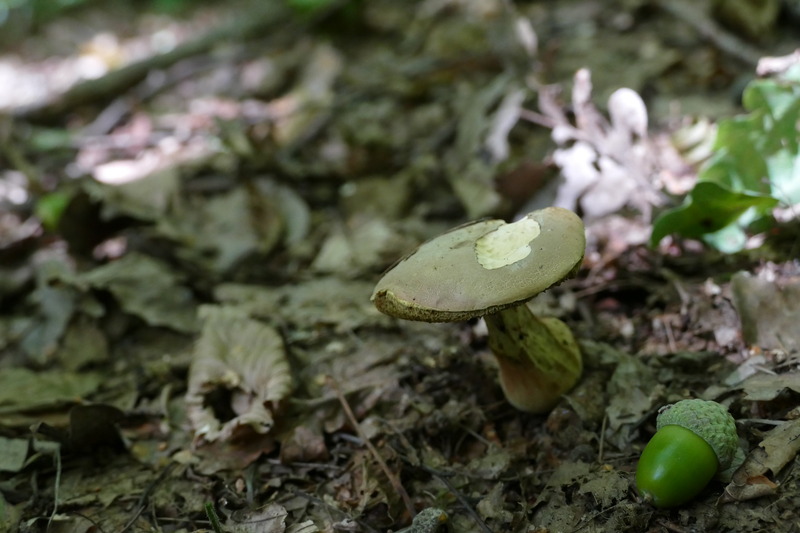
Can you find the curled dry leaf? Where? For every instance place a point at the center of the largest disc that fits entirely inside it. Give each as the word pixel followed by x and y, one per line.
pixel 238 376
pixel 778 449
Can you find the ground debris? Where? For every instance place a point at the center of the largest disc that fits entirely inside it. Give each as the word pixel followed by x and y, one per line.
pixel 189 241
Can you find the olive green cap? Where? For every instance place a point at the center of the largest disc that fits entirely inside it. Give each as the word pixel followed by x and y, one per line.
pixel 483 267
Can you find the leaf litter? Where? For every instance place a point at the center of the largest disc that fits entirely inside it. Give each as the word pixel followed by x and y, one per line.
pixel 227 223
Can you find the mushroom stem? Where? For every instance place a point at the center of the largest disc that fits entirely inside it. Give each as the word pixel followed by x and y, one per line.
pixel 538 358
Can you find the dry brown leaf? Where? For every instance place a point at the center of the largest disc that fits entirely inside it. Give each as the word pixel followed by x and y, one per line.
pixel 769 310
pixel 299 114
pixel 773 453
pixel 765 387
pixel 147 288
pixel 270 519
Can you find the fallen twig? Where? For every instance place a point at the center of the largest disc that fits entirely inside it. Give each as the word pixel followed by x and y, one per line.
pixel 393 480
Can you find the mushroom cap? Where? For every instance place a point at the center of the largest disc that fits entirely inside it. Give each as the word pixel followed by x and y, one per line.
pixel 483 267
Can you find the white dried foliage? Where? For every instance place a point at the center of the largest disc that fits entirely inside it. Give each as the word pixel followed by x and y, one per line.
pixel 628 112
pixel 245 359
pixel 505 118
pixel 526 35
pixel 606 164
pixel 771 66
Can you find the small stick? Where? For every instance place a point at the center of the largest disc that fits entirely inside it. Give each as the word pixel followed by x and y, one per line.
pixel 602 439
pixel 393 480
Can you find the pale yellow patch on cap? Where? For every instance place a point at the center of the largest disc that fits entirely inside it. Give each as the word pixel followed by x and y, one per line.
pixel 507 244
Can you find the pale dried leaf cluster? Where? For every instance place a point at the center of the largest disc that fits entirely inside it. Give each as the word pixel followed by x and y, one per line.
pixel 606 163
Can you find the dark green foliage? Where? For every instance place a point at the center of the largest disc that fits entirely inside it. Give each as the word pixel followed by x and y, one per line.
pixel 756 167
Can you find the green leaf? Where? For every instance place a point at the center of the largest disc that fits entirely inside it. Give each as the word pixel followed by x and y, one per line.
pixel 755 167
pixel 309 6
pixel 739 163
pixel 50 208
pixel 776 107
pixel 777 98
pixel 784 177
pixel 708 208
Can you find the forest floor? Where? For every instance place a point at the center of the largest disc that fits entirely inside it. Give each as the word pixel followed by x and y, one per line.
pixel 196 201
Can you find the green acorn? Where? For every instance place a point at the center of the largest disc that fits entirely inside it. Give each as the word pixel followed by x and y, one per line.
pixel 696 439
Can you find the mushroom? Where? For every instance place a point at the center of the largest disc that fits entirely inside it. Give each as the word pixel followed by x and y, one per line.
pixel 490 268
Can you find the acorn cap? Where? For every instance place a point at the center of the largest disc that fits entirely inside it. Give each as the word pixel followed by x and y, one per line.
pixel 709 420
pixel 483 267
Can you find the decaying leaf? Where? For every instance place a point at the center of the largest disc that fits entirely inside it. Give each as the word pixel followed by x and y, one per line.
pixel 147 288
pixel 270 519
pixel 316 302
pixel 608 488
pixel 765 387
pixel 56 303
pixel 491 506
pixel 367 369
pixel 13 453
pixel 304 443
pixel 221 230
pixel 232 455
pixel 490 465
pixel 238 375
pixel 363 244
pixel 779 448
pixel 632 389
pixel 307 526
pixel 142 188
pixel 22 389
pixel 300 113
pixel 364 486
pixel 84 344
pixel 471 177
pixel 769 310
pixel 555 514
